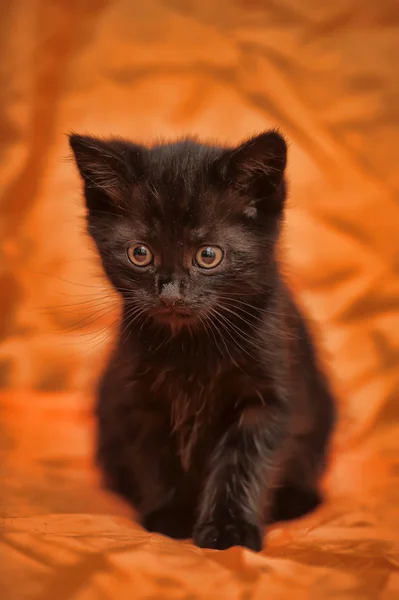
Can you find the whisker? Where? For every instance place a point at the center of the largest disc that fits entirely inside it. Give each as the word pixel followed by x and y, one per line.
pixel 52 276
pixel 225 306
pixel 230 326
pixel 163 342
pixel 216 315
pixel 87 334
pixel 86 320
pixel 104 287
pixel 77 307
pixel 208 328
pixel 132 315
pixel 103 340
pixel 109 328
pixel 267 323
pixel 252 306
pixel 94 335
pixel 223 340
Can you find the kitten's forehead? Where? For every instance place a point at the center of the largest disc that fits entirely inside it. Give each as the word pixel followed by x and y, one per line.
pixel 183 159
pixel 180 186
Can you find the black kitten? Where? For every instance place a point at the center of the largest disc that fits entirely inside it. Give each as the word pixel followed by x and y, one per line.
pixel 213 415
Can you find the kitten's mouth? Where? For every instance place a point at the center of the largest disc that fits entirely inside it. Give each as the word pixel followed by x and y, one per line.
pixel 174 316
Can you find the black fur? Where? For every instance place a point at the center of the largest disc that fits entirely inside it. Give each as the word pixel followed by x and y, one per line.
pixel 214 416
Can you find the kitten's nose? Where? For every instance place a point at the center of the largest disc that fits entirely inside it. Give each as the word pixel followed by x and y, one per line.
pixel 170 294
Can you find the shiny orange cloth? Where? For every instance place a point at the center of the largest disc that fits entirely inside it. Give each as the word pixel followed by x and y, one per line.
pixel 327 74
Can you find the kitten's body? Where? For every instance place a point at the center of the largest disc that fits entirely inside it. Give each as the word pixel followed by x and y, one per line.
pixel 218 419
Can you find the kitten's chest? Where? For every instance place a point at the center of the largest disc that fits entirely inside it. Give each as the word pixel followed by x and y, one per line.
pixel 197 402
pixel 185 390
pixel 195 391
pixel 191 402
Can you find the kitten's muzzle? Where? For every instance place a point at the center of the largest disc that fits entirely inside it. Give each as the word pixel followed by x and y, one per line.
pixel 173 314
pixel 172 307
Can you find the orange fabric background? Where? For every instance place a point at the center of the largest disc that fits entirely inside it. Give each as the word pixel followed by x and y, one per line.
pixel 327 74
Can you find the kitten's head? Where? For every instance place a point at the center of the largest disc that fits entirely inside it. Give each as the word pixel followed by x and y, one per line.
pixel 186 231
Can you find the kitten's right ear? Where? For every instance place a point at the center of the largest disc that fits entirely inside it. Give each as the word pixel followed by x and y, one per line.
pixel 107 167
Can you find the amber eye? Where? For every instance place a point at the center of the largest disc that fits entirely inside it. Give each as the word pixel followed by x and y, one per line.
pixel 140 255
pixel 209 257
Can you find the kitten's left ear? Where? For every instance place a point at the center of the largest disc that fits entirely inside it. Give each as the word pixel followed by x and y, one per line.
pixel 257 169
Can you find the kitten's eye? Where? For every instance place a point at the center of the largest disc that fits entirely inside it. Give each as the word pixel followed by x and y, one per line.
pixel 140 255
pixel 209 257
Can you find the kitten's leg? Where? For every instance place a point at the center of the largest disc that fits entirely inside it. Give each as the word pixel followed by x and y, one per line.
pixel 293 501
pixel 141 463
pixel 299 491
pixel 175 519
pixel 241 471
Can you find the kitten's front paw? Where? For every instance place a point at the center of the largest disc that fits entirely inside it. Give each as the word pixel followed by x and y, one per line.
pixel 174 522
pixel 222 535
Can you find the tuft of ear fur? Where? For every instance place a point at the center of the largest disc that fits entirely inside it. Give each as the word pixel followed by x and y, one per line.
pixel 256 169
pixel 107 168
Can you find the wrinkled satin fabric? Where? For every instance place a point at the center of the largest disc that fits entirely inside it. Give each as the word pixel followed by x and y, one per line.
pixel 327 75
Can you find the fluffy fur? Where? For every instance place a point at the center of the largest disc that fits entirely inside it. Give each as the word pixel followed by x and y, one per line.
pixel 213 415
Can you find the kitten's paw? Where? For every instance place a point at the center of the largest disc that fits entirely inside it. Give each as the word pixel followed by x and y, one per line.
pixel 292 502
pixel 174 522
pixel 222 535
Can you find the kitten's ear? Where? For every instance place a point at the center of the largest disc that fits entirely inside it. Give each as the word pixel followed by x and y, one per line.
pixel 107 167
pixel 257 168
